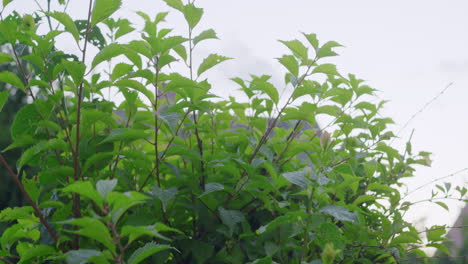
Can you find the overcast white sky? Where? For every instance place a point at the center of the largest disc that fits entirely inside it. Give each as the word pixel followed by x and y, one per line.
pixel 408 50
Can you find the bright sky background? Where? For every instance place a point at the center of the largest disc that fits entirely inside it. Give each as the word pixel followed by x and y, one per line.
pixel 408 50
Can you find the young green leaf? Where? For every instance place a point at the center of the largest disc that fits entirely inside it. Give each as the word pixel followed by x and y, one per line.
pixel 207 34
pixel 103 9
pixel 145 251
pixel 326 49
pixel 326 68
pixel 290 63
pixel 312 38
pixel 176 4
pixel 192 15
pixel 211 61
pixel 298 49
pixel 67 22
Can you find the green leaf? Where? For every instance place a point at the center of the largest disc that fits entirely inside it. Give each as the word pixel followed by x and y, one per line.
pixel 326 49
pixel 443 205
pixel 120 70
pixel 105 186
pixel 6 2
pixel 230 217
pixel 3 99
pixel 436 232
pixel 11 78
pixel 39 147
pixel 134 232
pixel 144 252
pixel 81 256
pixel 181 51
pixel 86 189
pixel 110 51
pixel 25 122
pixel 5 57
pixel 298 49
pixel 297 178
pixel 326 68
pixel 75 69
pixel 404 238
pixel 18 213
pixel 164 195
pixel 121 202
pixel 125 134
pixel 340 213
pixel 55 174
pixel 212 187
pixel 94 229
pixel 103 9
pixel 67 22
pixel 176 4
pixel 138 86
pixel 192 15
pixel 290 63
pixel 211 61
pixel 312 38
pixel 29 251
pixel 207 34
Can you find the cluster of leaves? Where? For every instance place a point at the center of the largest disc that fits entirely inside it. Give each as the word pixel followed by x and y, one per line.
pixel 169 175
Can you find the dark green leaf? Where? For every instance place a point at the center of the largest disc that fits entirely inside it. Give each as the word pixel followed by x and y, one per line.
pixel 125 134
pixel 230 217
pixel 81 256
pixel 164 195
pixel 212 187
pixel 94 229
pixel 3 99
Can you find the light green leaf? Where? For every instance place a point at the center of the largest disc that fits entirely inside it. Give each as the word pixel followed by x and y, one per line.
pixel 192 15
pixel 86 189
pixel 125 134
pixel 67 22
pixel 326 68
pixel 436 232
pixel 28 154
pixel 105 186
pixel 3 98
pixel 340 213
pixel 120 70
pixel 6 2
pixel 75 69
pixel 121 202
pixel 144 252
pixel 296 177
pixel 138 86
pixel 134 232
pixel 326 49
pixel 94 229
pixel 211 61
pixel 312 38
pixel 404 238
pixel 290 63
pixel 103 9
pixel 17 213
pixel 164 195
pixel 176 4
pixel 110 51
pixel 212 187
pixel 181 51
pixel 5 57
pixel 11 78
pixel 207 34
pixel 29 251
pixel 81 256
pixel 443 205
pixel 298 49
pixel 169 43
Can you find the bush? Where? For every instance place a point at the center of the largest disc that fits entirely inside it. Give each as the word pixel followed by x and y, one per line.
pixel 176 174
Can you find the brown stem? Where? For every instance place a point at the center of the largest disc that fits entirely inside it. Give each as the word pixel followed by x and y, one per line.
pixel 76 167
pixel 18 183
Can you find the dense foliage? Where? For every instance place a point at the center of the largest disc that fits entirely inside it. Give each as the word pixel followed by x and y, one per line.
pixel 176 174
